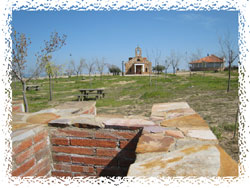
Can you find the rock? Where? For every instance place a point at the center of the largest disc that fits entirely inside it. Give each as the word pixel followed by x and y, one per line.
pixel 61 122
pixel 174 133
pixel 153 143
pixel 86 122
pixel 195 161
pixel 43 118
pixel 124 122
pixel 171 114
pixel 201 134
pixel 159 110
pixel 154 129
pixel 186 123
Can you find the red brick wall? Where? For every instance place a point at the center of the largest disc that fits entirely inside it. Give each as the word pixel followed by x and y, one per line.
pixel 31 152
pixel 92 152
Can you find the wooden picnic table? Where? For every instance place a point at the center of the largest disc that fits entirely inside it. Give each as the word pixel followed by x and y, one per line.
pixel 29 87
pixel 86 93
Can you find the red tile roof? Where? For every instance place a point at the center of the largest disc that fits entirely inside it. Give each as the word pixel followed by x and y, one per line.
pixel 209 59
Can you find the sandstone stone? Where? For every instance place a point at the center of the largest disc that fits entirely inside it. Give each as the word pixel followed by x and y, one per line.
pixel 171 114
pixel 153 143
pixel 60 122
pixel 186 123
pixel 43 118
pixel 86 122
pixel 188 142
pixel 174 133
pixel 123 122
pixel 228 167
pixel 154 129
pixel 195 161
pixel 17 125
pixel 201 134
pixel 158 110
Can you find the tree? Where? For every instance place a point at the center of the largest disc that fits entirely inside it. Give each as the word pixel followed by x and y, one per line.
pixel 55 43
pixel 19 53
pixel 80 67
pixel 100 65
pixel 72 67
pixel 174 60
pixel 90 66
pixel 229 53
pixel 194 56
pixel 50 70
pixel 114 70
pixel 158 68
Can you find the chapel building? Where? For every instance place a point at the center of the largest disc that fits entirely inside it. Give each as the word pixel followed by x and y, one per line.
pixel 138 64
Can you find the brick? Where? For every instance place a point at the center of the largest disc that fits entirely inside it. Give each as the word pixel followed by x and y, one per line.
pixel 41 135
pixel 129 145
pixel 41 145
pixel 44 171
pixel 106 135
pixel 95 161
pixel 77 168
pixel 42 153
pixel 62 158
pixel 106 152
pixel 74 150
pixel 80 133
pixel 93 143
pixel 56 173
pixel 125 135
pixel 60 141
pixel 33 171
pixel 62 167
pixel 23 168
pixel 22 146
pixel 24 156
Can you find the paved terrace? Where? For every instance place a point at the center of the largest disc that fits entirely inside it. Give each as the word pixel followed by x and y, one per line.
pixel 72 140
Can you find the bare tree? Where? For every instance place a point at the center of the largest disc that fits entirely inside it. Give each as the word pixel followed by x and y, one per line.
pixel 50 70
pixel 73 67
pixel 229 53
pixel 100 65
pixel 153 57
pixel 174 60
pixel 80 67
pixel 167 65
pixel 194 56
pixel 90 66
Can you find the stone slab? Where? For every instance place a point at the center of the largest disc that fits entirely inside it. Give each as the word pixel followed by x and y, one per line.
pixel 201 134
pixel 126 122
pixel 174 133
pixel 42 118
pixel 195 161
pixel 158 110
pixel 186 123
pixel 153 143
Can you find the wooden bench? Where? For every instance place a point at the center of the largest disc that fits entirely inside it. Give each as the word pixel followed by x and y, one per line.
pixel 35 87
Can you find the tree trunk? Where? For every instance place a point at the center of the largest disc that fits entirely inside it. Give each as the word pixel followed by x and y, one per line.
pixel 26 108
pixel 50 88
pixel 229 77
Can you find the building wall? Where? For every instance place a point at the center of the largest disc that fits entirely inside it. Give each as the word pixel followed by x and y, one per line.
pixel 207 66
pixel 129 66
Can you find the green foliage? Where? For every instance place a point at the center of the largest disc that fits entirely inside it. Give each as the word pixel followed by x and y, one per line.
pixel 159 68
pixel 114 70
pixel 217 132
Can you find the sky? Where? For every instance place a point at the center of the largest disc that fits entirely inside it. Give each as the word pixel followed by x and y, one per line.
pixel 114 35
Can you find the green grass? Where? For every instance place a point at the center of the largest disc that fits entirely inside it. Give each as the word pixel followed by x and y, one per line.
pixel 137 89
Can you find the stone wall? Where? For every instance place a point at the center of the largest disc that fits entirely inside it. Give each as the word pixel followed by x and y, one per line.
pixel 31 152
pixel 92 152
